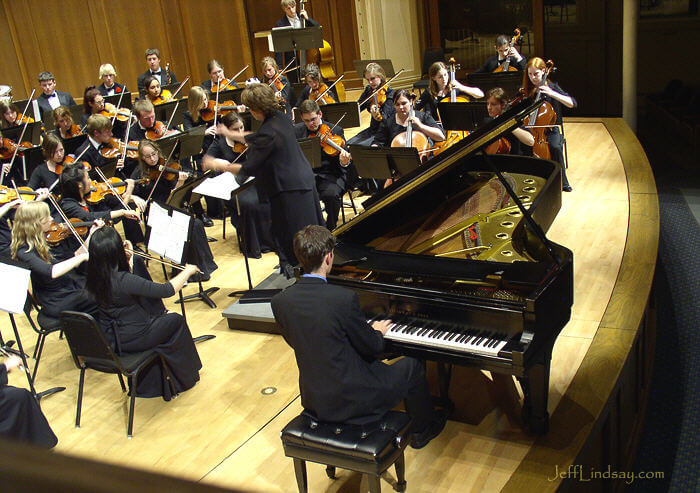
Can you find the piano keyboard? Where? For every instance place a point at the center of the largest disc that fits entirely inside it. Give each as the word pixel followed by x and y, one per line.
pixel 447 336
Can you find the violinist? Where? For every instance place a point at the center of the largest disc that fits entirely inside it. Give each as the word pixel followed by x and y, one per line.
pixel 520 139
pixel 63 120
pixel 10 116
pixel 150 158
pixel 109 85
pixel 53 288
pixel 164 75
pixel 296 21
pixel 7 209
pixel 50 98
pixel 440 88
pixel 134 319
pixel 145 121
pixel 94 103
pixel 393 126
pixel 331 177
pixel 216 74
pixel 253 221
pixel 503 52
pixel 46 174
pixel 281 86
pixel 315 86
pixel 555 95
pixel 154 93
pixel 381 110
pixel 99 132
pixel 282 173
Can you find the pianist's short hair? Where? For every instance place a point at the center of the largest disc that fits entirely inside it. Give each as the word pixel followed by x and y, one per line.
pixel 45 75
pixel 97 123
pixel 309 106
pixel 152 51
pixel 311 245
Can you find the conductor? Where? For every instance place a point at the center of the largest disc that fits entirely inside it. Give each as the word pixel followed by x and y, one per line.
pixel 341 379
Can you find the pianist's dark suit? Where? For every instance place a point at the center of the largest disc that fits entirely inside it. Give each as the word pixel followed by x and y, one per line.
pixel 340 378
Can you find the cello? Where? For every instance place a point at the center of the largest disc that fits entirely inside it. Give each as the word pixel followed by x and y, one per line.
pixel 453 136
pixel 542 119
pixel 505 66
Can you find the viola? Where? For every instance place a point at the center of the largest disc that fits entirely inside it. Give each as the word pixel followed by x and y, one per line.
pixel 332 144
pixel 163 97
pixel 8 147
pixel 505 66
pixel 278 85
pixel 115 148
pixel 223 108
pixel 111 111
pixel 315 94
pixel 60 231
pixel 156 132
pixel 8 194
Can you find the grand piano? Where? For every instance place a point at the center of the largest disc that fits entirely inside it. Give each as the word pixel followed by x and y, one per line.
pixel 454 254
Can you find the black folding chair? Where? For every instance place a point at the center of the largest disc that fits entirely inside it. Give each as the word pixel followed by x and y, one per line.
pixel 90 350
pixel 46 325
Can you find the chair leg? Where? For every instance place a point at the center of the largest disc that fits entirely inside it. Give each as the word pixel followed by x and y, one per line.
pixel 121 382
pixel 42 338
pixel 36 346
pixel 168 376
pixel 80 397
pixel 130 430
pixel 300 473
pixel 352 202
pixel 400 466
pixel 374 485
pixel 342 209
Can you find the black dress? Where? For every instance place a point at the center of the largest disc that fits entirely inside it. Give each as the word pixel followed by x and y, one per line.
pixel 366 136
pixel 21 418
pixel 42 177
pixel 284 176
pixel 136 320
pixel 388 128
pixel 493 62
pixel 213 206
pixel 254 221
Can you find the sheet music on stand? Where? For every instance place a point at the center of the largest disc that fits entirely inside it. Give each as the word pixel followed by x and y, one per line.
pixel 13 289
pixel 222 186
pixel 167 232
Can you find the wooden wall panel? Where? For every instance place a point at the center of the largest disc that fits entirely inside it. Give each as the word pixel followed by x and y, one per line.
pixel 11 63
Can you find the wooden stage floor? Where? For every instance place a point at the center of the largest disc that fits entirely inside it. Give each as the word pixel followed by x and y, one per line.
pixel 225 431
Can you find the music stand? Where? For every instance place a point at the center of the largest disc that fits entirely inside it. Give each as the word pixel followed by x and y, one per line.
pixel 228 94
pixel 109 169
pixel 165 110
pixel 510 82
pixel 167 144
pixel 125 100
pixel 462 116
pixel 312 150
pixel 332 112
pixel 384 162
pixel 191 142
pixel 286 39
pixel 32 158
pixel 32 134
pixel 182 198
pixel 170 87
pixel 385 63
pixel 71 144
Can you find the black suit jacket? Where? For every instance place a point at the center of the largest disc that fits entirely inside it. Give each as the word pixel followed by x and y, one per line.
pixel 340 377
pixel 118 88
pixel 330 165
pixel 163 79
pixel 63 97
pixel 492 63
pixel 275 158
pixel 92 155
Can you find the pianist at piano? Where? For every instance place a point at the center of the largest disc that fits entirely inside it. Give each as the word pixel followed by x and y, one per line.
pixel 346 381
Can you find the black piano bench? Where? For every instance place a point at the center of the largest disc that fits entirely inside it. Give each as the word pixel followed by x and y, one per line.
pixel 370 450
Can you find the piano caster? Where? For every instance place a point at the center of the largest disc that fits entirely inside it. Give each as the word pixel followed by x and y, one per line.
pixel 330 472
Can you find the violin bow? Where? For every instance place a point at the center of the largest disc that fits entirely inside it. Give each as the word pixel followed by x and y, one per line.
pixel 233 79
pixel 155 183
pixel 381 87
pixel 281 72
pixel 21 136
pixel 339 120
pixel 179 88
pixel 126 140
pixel 119 103
pixel 216 102
pixel 67 221
pixel 329 88
pixel 111 188
pixel 172 115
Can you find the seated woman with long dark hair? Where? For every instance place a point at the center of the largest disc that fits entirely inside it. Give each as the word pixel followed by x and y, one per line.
pixel 134 319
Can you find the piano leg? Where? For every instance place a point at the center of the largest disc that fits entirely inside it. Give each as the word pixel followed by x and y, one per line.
pixel 444 377
pixel 535 387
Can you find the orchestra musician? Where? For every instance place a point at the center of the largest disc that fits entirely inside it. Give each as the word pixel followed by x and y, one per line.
pixel 109 85
pixel 21 418
pixel 440 88
pixel 53 288
pixel 45 175
pixel 282 173
pixel 94 103
pixel 50 98
pixel 496 103
pixel 10 116
pixel 150 158
pixel 7 209
pixel 216 74
pixel 393 126
pixel 558 98
pixel 342 378
pixel 503 52
pixel 145 120
pixel 153 61
pixel 296 21
pixel 253 221
pixel 64 126
pixel 315 85
pixel 282 86
pixel 375 76
pixel 331 176
pixel 133 318
pixel 99 131
pixel 154 92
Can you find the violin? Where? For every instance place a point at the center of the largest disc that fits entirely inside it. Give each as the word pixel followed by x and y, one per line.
pixel 171 171
pixel 158 130
pixel 70 159
pixel 505 66
pixel 208 113
pixel 223 85
pixel 239 147
pixel 379 99
pixel 332 144
pixel 8 147
pixel 315 94
pixel 115 148
pixel 111 111
pixel 99 189
pixel 542 119
pixel 8 194
pixel 163 97
pixel 60 231
pixel 22 119
pixel 278 85
pixel 73 131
